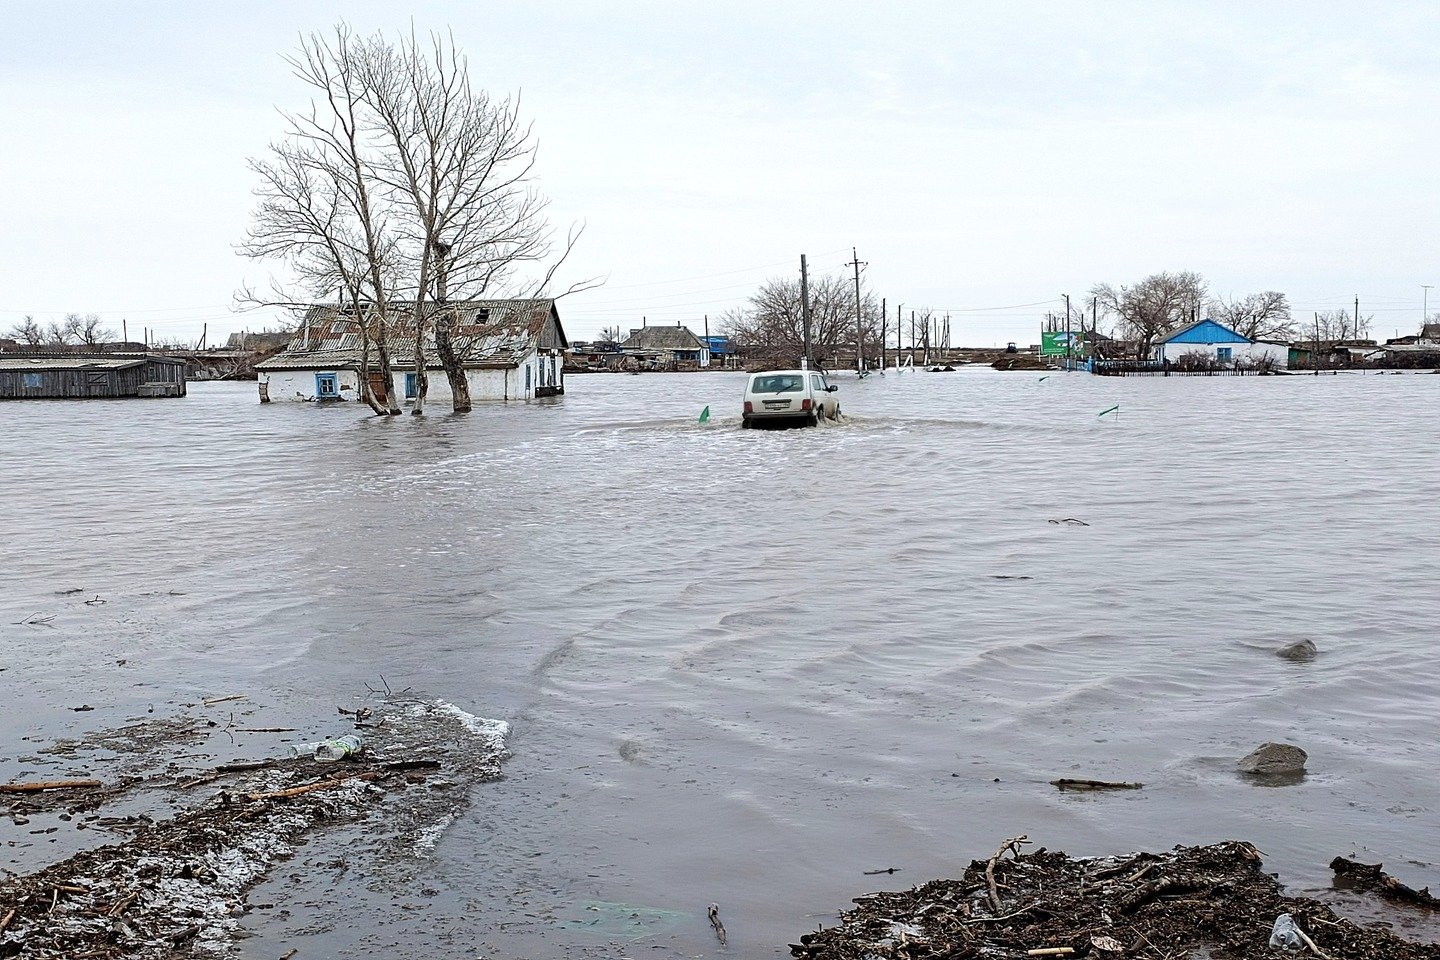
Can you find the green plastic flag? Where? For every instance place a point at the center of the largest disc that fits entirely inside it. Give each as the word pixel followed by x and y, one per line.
pixel 705 415
pixel 1044 378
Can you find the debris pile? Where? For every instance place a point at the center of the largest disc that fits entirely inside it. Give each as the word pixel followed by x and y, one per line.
pixel 176 886
pixel 1211 900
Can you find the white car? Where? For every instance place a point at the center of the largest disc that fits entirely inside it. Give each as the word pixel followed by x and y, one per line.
pixel 796 396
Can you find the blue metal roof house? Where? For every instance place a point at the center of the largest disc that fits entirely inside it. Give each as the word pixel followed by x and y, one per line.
pixel 1220 345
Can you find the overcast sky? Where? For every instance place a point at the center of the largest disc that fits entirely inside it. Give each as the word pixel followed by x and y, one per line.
pixel 977 155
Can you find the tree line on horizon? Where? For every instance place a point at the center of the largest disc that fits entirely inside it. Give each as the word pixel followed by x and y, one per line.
pixel 1142 313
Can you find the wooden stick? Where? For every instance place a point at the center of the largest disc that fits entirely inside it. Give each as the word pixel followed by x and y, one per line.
pixel 265 729
pixel 1050 952
pixel 289 953
pixel 123 905
pixel 67 888
pixel 6 922
pixel 1310 943
pixel 215 700
pixel 311 787
pixel 994 892
pixel 1067 784
pixel 47 785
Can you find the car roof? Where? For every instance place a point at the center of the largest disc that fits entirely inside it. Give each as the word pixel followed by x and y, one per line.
pixel 781 373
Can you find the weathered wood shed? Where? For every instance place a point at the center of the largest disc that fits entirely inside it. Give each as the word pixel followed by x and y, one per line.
pixel 77 376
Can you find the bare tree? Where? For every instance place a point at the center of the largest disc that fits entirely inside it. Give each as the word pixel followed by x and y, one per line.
pixel 1335 326
pixel 89 330
pixel 1258 316
pixel 405 188
pixel 1147 310
pixel 610 334
pixel 772 321
pixel 58 334
pixel 29 332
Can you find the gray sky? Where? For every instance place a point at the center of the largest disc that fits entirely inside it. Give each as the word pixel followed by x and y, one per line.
pixel 978 155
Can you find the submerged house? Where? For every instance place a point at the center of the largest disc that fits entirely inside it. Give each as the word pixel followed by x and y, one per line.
pixel 676 345
pixel 509 349
pixel 1218 344
pixel 96 373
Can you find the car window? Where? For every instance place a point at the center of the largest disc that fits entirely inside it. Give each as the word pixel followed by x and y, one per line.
pixel 816 383
pixel 781 383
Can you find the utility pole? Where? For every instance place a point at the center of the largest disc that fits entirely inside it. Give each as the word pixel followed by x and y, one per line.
pixel 124 331
pixel 805 307
pixel 899 334
pixel 1067 326
pixel 1425 305
pixel 859 322
pixel 912 338
pixel 707 340
pixel 884 321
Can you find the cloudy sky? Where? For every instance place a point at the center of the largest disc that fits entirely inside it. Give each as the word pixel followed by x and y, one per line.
pixel 979 156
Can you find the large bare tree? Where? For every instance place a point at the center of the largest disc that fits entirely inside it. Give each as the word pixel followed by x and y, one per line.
pixel 405 188
pixel 772 321
pixel 1147 310
pixel 1259 316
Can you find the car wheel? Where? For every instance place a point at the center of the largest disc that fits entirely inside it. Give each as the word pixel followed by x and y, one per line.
pixel 813 419
pixel 746 425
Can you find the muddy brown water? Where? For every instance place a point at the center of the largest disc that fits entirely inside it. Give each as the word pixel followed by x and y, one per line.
pixel 745 667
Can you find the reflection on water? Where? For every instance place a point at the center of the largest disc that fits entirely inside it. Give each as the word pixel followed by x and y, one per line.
pixel 744 667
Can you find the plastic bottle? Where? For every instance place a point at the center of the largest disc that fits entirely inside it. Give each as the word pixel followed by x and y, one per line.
pixel 340 748
pixel 305 749
pixel 1285 934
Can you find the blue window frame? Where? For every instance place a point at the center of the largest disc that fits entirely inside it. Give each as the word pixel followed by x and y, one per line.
pixel 1224 354
pixel 410 388
pixel 32 381
pixel 327 386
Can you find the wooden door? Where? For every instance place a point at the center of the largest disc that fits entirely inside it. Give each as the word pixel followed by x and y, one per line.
pixel 379 387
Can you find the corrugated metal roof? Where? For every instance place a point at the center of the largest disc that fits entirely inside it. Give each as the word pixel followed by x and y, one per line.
pixel 486 333
pixel 37 364
pixel 1206 331
pixel 662 338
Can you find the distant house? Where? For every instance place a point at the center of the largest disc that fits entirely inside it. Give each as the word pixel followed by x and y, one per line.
pixel 675 344
pixel 266 341
pixel 70 375
pixel 1220 345
pixel 509 349
pixel 722 351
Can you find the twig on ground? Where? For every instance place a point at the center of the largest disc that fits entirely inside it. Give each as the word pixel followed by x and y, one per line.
pixel 311 787
pixel 1013 846
pixel 1067 784
pixel 214 700
pixel 43 785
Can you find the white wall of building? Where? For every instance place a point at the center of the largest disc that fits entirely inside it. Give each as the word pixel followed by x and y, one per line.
pixel 509 383
pixel 1279 353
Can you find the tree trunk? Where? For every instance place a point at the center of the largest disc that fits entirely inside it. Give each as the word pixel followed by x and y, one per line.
pixel 454 366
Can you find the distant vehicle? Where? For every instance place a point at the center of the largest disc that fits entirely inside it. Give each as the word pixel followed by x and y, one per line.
pixel 800 397
pixel 1011 348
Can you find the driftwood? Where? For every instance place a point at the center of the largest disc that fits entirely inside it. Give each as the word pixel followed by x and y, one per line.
pixel 1011 845
pixel 39 786
pixel 714 913
pixel 214 700
pixel 1369 876
pixel 311 787
pixel 1067 784
pixel 6 922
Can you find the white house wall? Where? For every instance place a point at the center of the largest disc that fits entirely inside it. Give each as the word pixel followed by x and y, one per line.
pixel 485 384
pixel 1277 352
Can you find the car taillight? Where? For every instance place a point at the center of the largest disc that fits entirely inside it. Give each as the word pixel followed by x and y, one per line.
pixel 805 404
pixel 748 407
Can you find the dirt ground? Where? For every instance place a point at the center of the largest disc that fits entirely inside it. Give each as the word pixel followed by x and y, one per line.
pixel 1211 901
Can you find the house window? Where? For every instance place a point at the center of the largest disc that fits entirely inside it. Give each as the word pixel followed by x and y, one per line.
pixel 527 379
pixel 327 386
pixel 32 381
pixel 410 388
pixel 1223 354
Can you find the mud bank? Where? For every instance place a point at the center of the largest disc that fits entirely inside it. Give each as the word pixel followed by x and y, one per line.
pixel 1210 901
pixel 176 885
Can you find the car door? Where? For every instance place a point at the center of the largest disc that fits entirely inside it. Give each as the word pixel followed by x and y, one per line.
pixel 818 395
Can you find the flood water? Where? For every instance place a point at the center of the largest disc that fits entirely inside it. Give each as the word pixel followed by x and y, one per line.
pixel 744 667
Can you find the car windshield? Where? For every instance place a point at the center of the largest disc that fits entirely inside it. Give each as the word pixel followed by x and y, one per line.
pixel 780 383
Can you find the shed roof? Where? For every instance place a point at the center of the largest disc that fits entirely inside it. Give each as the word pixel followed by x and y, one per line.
pixel 38 364
pixel 487 333
pixel 1206 331
pixel 662 338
